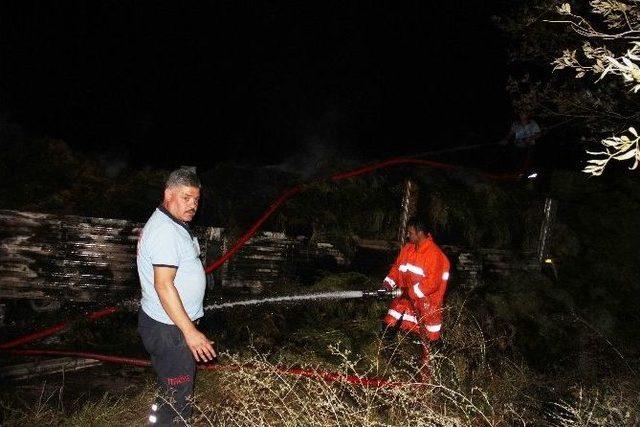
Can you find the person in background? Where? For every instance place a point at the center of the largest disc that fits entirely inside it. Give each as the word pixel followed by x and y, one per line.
pixel 523 133
pixel 173 283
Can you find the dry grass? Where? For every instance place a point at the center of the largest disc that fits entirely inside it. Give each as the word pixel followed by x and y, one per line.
pixel 48 409
pixel 262 395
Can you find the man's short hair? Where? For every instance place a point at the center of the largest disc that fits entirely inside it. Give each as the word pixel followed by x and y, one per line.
pixel 418 224
pixel 184 176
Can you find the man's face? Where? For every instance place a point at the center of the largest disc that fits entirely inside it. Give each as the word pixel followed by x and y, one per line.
pixel 182 201
pixel 414 235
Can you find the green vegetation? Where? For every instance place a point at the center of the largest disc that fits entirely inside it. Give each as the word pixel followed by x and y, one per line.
pixel 45 175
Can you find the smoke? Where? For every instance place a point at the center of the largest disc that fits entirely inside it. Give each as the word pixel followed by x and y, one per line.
pixel 113 162
pixel 114 168
pixel 315 157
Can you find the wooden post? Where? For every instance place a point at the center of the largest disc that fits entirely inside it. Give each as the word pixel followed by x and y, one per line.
pixel 409 208
pixel 550 207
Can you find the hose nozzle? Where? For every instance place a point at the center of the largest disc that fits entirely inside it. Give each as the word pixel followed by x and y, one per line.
pixel 382 294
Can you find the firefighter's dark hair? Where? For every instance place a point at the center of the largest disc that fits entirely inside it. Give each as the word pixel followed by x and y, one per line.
pixel 418 224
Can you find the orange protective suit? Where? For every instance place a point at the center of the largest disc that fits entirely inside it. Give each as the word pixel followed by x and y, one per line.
pixel 422 274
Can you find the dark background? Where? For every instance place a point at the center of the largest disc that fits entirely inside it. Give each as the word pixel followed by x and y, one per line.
pixel 163 83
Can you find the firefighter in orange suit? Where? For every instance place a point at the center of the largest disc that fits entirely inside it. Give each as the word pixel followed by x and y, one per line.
pixel 420 272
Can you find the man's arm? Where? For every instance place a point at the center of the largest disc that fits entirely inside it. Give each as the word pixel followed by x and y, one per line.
pixel 390 282
pixel 198 343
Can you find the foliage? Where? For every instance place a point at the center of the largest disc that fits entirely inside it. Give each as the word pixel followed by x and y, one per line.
pixel 596 252
pixel 45 175
pixel 473 212
pixel 608 32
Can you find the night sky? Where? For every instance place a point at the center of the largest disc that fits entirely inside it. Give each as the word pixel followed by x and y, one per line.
pixel 165 82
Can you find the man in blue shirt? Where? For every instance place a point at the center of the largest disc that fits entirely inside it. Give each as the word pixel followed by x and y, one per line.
pixel 524 155
pixel 173 282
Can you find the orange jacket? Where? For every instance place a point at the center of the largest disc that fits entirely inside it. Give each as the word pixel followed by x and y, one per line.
pixel 422 274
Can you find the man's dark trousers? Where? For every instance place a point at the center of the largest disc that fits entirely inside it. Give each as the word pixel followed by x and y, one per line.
pixel 175 367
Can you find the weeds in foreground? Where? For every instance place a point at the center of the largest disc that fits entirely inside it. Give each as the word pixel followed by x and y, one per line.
pixel 263 394
pixel 259 392
pixel 477 380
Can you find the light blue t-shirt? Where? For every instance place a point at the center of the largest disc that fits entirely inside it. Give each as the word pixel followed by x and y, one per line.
pixel 167 241
pixel 524 131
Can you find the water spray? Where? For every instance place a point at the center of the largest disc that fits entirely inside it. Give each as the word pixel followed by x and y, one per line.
pixel 378 294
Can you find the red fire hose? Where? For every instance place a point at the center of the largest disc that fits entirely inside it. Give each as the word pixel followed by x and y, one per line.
pixel 246 236
pixel 83 354
pixel 54 329
pixel 301 372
